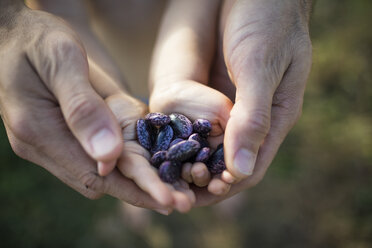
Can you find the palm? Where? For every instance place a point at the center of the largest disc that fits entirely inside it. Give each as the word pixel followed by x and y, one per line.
pixel 194 100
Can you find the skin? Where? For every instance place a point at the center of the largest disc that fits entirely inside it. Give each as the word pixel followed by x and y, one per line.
pixel 260 63
pixel 268 82
pixel 180 73
pixel 67 97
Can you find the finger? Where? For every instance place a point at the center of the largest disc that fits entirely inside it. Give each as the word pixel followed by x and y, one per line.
pixel 62 64
pixel 134 162
pixel 105 168
pixel 184 187
pixel 28 152
pixel 186 172
pixel 200 174
pixel 137 168
pixel 228 178
pixel 282 120
pixel 256 81
pixel 218 187
pixel 78 164
pixel 182 201
pixel 72 166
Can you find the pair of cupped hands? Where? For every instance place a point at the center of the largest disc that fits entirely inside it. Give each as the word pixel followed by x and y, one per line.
pixel 242 65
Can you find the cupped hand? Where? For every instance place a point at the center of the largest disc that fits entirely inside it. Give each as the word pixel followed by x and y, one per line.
pixel 44 63
pixel 264 53
pixel 267 52
pixel 134 160
pixel 52 112
pixel 261 61
pixel 195 101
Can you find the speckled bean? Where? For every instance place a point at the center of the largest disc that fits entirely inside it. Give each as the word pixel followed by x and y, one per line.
pixel 170 171
pixel 183 150
pixel 181 125
pixel 157 119
pixel 216 163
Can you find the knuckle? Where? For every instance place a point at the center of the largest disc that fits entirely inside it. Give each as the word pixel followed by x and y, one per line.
pixel 258 58
pixel 55 51
pixel 266 65
pixel 91 181
pixel 63 44
pixel 79 109
pixel 303 45
pixel 92 195
pixel 136 201
pixel 21 129
pixel 259 122
pixel 19 148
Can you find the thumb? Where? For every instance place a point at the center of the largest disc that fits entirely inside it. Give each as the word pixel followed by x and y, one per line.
pixel 62 64
pixel 246 129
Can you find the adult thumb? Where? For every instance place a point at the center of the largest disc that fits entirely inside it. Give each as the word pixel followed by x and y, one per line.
pixel 246 129
pixel 62 65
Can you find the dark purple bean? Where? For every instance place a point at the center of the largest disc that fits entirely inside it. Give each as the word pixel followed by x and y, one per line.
pixel 163 139
pixel 203 155
pixel 144 134
pixel 202 126
pixel 175 141
pixel 181 125
pixel 219 146
pixel 170 171
pixel 197 137
pixel 157 119
pixel 183 150
pixel 216 163
pixel 158 158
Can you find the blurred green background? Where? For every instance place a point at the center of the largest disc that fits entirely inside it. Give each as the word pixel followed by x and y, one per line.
pixel 317 192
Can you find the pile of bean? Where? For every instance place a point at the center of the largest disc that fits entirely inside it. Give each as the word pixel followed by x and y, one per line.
pixel 173 140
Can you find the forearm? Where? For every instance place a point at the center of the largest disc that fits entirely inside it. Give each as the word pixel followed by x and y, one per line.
pixel 185 44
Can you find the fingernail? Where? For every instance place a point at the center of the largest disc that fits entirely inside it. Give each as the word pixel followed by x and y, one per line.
pixel 103 142
pixel 227 177
pixel 163 211
pixel 244 161
pixel 105 168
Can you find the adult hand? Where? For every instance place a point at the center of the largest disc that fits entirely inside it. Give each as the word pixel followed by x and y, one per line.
pixel 58 99
pixel 265 51
pixel 47 104
pixel 43 64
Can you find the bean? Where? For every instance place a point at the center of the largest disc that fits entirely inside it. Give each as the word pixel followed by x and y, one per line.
pixel 144 134
pixel 170 171
pixel 202 126
pixel 216 163
pixel 157 119
pixel 183 150
pixel 181 125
